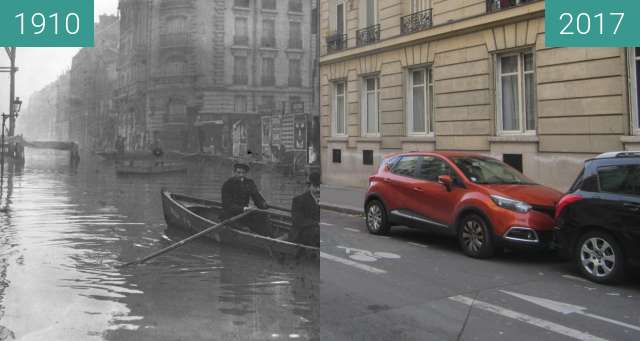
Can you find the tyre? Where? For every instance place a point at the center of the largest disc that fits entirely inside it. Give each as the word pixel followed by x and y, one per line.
pixel 599 257
pixel 475 237
pixel 376 218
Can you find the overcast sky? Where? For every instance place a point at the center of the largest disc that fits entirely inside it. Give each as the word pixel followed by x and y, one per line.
pixel 41 66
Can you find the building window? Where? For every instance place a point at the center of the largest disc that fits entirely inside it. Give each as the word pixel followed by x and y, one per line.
pixel 340 24
pixel 268 102
pixel 516 91
pixel 295 76
pixel 314 21
pixel 339 108
pixel 635 88
pixel 241 3
pixel 420 104
pixel 240 70
pixel 337 155
pixel 269 4
pixel 295 5
pixel 419 5
pixel 240 103
pixel 175 66
pixel 295 35
pixel 370 102
pixel 241 33
pixel 269 33
pixel 370 14
pixel 176 24
pixel 367 157
pixel 268 71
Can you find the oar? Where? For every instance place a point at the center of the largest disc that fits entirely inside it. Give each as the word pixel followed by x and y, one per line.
pixel 188 239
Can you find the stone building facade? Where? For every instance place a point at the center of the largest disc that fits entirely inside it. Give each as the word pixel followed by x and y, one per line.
pixel 470 75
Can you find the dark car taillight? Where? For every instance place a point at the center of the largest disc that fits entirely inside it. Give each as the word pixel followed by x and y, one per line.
pixel 566 201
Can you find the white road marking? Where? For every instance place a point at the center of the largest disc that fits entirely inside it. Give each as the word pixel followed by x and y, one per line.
pixel 351 229
pixel 544 324
pixel 575 278
pixel 352 263
pixel 566 308
pixel 418 244
pixel 326 224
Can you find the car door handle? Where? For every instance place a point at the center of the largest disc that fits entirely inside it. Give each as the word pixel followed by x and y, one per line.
pixel 418 189
pixel 632 207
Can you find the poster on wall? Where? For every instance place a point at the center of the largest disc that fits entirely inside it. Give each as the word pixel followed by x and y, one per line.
pixel 300 133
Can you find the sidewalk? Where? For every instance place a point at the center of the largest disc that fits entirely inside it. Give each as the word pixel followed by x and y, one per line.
pixel 342 199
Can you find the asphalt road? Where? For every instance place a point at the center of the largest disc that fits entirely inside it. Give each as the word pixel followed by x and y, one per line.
pixel 414 285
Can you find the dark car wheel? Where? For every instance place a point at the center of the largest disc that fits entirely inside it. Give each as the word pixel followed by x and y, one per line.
pixel 599 257
pixel 475 237
pixel 376 218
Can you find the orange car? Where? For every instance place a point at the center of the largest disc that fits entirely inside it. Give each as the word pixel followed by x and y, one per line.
pixel 483 202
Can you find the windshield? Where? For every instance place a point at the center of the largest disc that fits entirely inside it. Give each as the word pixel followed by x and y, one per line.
pixel 489 171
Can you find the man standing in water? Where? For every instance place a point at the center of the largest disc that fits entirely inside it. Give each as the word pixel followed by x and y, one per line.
pixel 236 193
pixel 305 212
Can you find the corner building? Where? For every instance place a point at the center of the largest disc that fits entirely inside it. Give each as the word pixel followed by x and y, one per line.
pixel 468 75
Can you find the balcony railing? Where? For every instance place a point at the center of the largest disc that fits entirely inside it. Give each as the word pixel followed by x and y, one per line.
pixel 181 39
pixel 336 42
pixel 416 22
pixel 241 40
pixel 498 5
pixel 175 4
pixel 368 35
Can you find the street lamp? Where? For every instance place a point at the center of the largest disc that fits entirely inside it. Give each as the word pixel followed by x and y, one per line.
pixel 17 103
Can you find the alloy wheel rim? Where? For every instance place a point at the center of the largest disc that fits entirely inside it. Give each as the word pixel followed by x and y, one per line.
pixel 473 235
pixel 374 217
pixel 597 257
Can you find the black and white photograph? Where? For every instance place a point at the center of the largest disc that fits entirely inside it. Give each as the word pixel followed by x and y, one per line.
pixel 152 187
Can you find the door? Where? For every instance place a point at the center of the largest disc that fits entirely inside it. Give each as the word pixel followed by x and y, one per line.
pixel 398 183
pixel 433 200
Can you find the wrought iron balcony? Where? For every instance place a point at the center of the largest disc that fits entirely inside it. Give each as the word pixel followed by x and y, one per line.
pixel 181 39
pixel 416 22
pixel 368 35
pixel 498 5
pixel 336 42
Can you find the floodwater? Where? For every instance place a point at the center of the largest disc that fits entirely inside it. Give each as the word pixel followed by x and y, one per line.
pixel 63 230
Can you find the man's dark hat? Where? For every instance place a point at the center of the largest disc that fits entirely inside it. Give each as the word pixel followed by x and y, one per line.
pixel 241 165
pixel 314 179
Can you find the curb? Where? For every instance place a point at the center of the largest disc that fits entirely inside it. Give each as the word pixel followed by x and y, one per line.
pixel 340 209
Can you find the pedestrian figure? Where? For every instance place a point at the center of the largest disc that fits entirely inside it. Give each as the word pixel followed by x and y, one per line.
pixel 156 150
pixel 305 213
pixel 237 191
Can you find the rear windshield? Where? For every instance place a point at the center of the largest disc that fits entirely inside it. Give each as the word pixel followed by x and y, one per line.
pixel 489 171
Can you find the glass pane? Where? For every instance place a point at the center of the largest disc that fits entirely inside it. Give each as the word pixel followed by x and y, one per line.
pixel 431 107
pixel 340 88
pixel 340 18
pixel 619 179
pixel 418 110
pixel 418 77
pixel 371 84
pixel 372 113
pixel 530 100
pixel 431 168
pixel 528 62
pixel 340 115
pixel 510 119
pixel 406 166
pixel 509 64
pixel 371 12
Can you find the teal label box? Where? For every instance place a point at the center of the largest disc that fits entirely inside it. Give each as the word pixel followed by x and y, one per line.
pixel 46 23
pixel 592 23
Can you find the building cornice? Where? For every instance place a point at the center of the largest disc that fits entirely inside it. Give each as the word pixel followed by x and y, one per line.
pixel 464 26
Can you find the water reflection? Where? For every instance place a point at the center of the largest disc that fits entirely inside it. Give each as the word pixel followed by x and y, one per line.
pixel 64 229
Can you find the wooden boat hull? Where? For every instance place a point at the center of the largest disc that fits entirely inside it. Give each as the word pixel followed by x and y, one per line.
pixel 149 169
pixel 194 215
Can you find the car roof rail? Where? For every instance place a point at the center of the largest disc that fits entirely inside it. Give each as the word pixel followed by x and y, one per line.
pixel 619 154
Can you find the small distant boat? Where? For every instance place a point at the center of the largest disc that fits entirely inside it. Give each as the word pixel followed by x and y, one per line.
pixel 150 168
pixel 194 215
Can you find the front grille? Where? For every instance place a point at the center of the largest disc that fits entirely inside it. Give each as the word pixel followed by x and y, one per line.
pixel 550 211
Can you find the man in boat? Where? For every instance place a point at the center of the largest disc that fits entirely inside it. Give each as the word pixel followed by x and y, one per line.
pixel 305 214
pixel 237 191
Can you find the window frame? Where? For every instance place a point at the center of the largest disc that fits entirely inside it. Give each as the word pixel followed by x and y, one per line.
pixel 522 101
pixel 376 19
pixel 429 103
pixel 344 17
pixel 364 117
pixel 334 110
pixel 634 84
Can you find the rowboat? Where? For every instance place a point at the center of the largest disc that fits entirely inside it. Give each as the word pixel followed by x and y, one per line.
pixel 149 168
pixel 194 215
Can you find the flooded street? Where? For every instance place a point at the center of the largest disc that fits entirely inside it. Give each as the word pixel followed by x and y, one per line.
pixel 63 230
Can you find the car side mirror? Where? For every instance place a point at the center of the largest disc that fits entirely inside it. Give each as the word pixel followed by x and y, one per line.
pixel 446 181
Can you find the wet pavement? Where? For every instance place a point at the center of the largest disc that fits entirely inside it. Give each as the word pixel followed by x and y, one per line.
pixel 63 230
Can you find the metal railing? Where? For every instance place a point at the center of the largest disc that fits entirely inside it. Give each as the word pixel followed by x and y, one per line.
pixel 368 35
pixel 336 42
pixel 415 22
pixel 498 5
